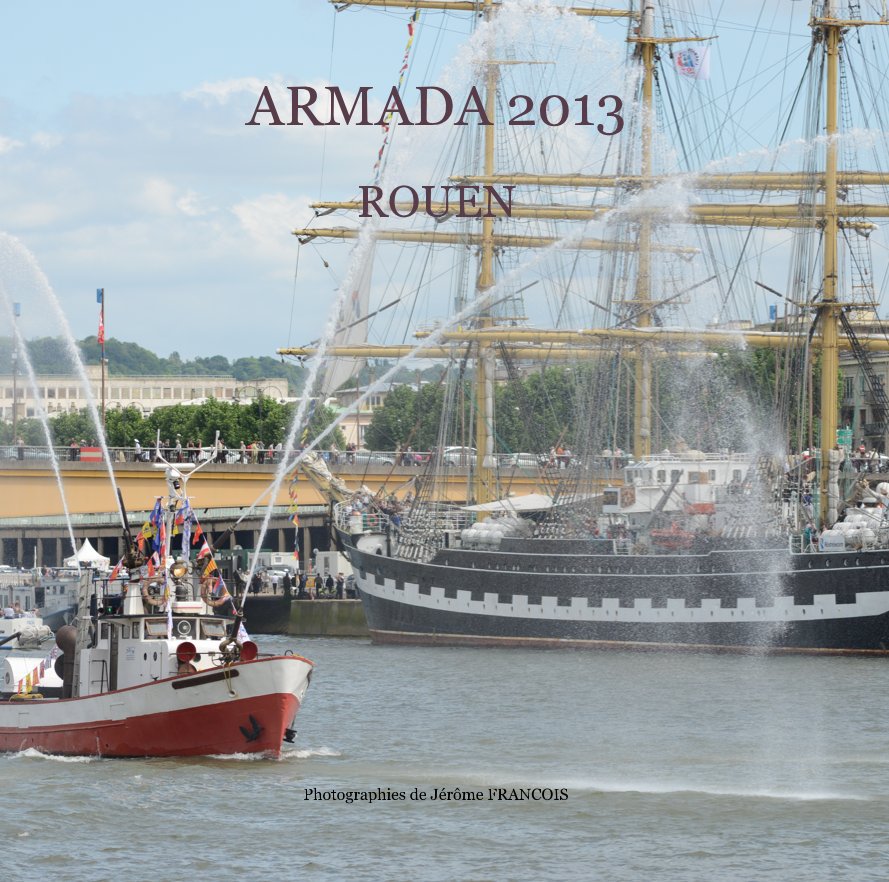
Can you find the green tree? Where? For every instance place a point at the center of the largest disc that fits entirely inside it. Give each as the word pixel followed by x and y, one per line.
pixel 394 422
pixel 74 425
pixel 322 417
pixel 123 425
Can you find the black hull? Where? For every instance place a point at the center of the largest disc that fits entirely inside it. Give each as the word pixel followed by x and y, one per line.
pixel 756 600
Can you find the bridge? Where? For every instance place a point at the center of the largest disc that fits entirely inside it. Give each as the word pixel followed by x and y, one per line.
pixel 33 528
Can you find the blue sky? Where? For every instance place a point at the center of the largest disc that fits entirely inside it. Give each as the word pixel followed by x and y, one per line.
pixel 126 164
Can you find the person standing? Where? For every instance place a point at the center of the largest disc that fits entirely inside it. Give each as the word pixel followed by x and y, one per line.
pixel 137 450
pixel 340 586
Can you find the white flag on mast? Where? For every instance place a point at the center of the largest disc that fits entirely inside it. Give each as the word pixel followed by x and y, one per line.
pixel 694 63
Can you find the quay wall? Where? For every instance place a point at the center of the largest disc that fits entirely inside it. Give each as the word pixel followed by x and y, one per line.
pixel 327 618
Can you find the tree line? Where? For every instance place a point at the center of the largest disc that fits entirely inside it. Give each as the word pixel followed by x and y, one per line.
pixel 49 356
pixel 262 419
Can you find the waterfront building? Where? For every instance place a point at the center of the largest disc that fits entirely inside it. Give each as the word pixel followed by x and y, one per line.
pixel 65 392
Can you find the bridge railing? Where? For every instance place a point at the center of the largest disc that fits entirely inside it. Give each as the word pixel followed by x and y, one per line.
pixel 530 463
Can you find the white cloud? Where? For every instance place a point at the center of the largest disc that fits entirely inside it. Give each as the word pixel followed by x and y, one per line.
pixel 47 140
pixel 8 144
pixel 158 196
pixel 222 91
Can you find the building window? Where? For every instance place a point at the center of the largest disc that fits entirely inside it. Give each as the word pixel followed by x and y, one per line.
pixel 848 387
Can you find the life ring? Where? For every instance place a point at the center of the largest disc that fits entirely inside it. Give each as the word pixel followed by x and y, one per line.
pixel 213 602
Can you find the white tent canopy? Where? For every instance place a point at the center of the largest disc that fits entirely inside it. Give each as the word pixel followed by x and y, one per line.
pixel 87 556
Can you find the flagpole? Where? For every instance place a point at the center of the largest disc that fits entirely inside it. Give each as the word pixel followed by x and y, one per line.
pixel 100 296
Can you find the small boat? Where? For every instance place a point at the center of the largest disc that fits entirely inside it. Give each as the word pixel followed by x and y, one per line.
pixel 152 666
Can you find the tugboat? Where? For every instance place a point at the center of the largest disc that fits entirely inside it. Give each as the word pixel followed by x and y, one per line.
pixel 153 667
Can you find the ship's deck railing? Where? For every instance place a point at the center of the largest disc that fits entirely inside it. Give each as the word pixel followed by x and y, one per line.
pixel 351 520
pixel 696 456
pixel 430 518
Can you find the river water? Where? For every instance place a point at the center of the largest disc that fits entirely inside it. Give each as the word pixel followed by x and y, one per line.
pixel 673 767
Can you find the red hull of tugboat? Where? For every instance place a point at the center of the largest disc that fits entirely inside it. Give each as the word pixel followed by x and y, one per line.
pixel 215 723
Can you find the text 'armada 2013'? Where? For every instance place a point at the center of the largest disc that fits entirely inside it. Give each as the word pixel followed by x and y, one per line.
pixel 435 107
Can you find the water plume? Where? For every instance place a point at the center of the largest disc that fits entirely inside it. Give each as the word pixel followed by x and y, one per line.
pixel 42 416
pixel 12 249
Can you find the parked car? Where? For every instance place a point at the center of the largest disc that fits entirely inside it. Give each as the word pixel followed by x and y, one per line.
pixel 522 460
pixel 458 456
pixel 369 457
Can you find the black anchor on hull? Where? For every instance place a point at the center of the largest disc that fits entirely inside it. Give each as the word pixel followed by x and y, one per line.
pixel 254 733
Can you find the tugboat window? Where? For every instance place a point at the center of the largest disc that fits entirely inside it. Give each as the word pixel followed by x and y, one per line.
pixel 155 629
pixel 213 629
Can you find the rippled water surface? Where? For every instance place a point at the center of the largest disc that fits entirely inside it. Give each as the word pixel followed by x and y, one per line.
pixel 676 767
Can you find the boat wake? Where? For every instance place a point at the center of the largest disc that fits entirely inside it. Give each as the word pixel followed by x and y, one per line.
pixel 667 789
pixel 307 753
pixel 285 755
pixel 33 753
pixel 581 786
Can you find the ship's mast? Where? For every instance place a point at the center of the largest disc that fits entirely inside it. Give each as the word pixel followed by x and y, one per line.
pixel 831 29
pixel 830 359
pixel 484 365
pixel 642 392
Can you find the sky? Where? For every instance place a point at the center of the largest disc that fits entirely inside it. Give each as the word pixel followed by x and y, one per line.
pixel 126 163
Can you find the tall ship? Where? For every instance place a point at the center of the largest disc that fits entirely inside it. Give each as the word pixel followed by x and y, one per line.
pixel 712 497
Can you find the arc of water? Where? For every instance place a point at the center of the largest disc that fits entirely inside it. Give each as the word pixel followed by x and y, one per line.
pixel 16 248
pixel 42 415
